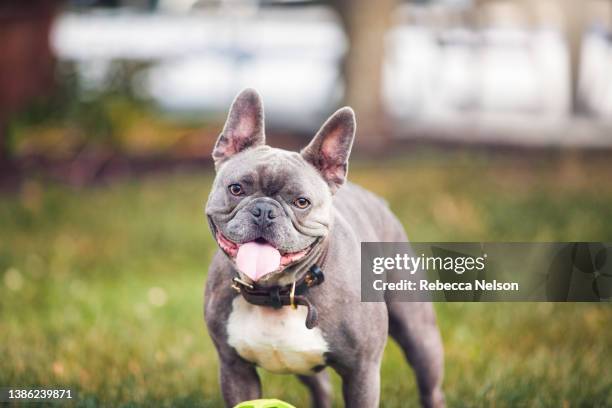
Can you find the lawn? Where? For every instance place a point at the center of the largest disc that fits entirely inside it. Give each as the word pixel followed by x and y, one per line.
pixel 101 288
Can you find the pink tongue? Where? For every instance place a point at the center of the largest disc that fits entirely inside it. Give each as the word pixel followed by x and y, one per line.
pixel 255 259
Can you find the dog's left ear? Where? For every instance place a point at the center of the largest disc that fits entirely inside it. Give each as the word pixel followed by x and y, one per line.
pixel 329 150
pixel 244 127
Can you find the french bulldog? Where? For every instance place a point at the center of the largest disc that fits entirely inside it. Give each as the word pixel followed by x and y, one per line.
pixel 275 215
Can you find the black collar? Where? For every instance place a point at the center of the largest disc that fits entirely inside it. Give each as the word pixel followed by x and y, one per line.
pixel 279 296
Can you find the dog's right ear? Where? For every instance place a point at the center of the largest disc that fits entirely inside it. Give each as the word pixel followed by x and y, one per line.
pixel 244 127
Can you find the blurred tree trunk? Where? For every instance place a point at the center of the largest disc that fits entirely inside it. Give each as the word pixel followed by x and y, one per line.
pixel 575 16
pixel 574 12
pixel 26 60
pixel 366 22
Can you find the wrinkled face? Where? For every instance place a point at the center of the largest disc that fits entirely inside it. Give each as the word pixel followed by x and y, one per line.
pixel 269 209
pixel 268 196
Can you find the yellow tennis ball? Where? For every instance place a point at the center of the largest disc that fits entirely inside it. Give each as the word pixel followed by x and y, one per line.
pixel 264 403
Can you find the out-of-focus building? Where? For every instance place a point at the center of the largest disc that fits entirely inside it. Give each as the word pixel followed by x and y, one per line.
pixel 482 70
pixel 26 60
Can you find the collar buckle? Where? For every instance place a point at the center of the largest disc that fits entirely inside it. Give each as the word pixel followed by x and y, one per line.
pixel 237 282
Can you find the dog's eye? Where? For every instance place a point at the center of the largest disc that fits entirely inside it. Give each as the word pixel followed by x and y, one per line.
pixel 235 189
pixel 301 203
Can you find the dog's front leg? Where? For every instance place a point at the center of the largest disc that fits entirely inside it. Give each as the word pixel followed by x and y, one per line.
pixel 361 385
pixel 239 381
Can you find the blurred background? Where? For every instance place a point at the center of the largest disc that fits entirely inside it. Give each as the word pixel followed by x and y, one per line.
pixel 478 120
pixel 89 84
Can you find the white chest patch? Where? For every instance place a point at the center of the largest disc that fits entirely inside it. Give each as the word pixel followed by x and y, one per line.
pixel 275 339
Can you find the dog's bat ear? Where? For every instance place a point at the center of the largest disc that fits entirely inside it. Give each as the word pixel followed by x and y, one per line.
pixel 244 127
pixel 329 150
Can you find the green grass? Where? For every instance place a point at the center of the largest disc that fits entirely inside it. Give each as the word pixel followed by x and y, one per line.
pixel 101 289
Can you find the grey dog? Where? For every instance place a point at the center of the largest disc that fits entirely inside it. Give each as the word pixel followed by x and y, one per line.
pixel 277 214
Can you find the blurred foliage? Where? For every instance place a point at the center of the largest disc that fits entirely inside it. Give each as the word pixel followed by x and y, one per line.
pixel 101 289
pixel 108 117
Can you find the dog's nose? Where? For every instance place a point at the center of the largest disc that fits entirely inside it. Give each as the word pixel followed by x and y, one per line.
pixel 263 212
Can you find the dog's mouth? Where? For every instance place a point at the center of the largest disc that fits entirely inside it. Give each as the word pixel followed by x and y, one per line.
pixel 258 258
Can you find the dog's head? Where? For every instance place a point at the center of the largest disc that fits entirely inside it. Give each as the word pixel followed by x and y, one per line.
pixel 270 209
